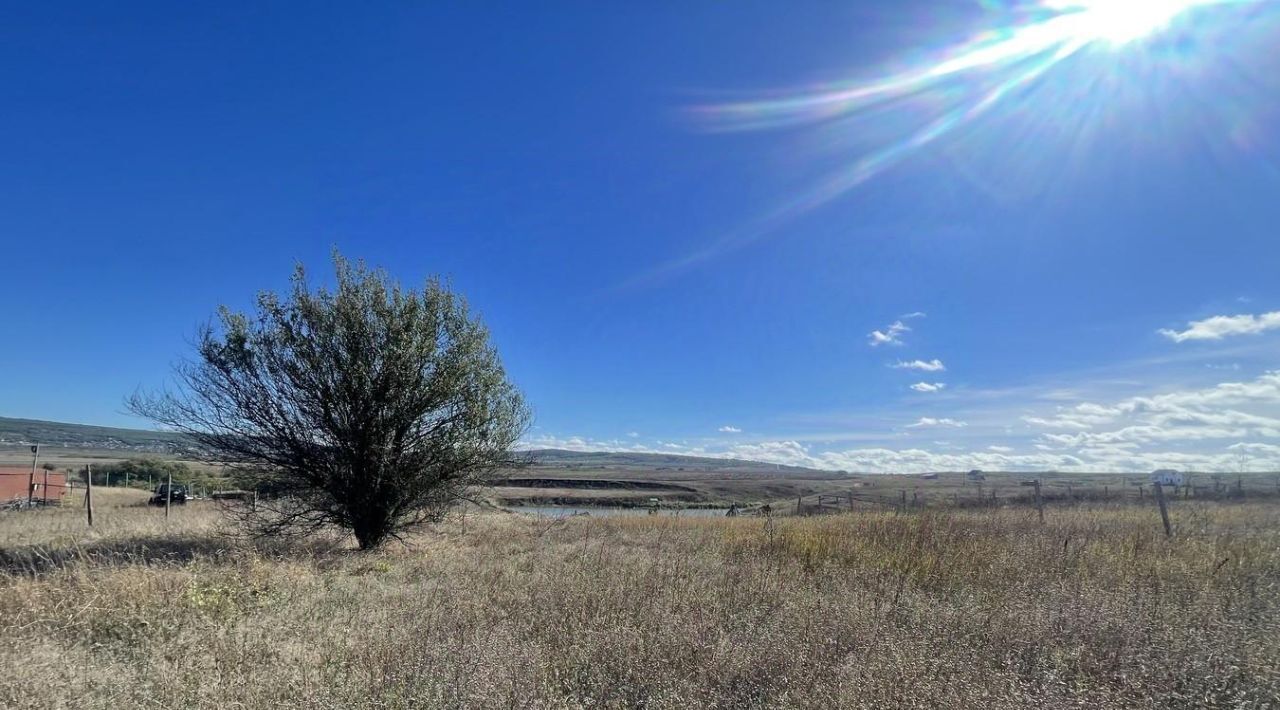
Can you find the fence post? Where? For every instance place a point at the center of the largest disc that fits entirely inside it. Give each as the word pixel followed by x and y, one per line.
pixel 1164 510
pixel 1039 502
pixel 88 492
pixel 31 482
pixel 168 495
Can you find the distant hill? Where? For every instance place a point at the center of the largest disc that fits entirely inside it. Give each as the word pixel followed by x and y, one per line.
pixel 15 433
pixel 60 435
pixel 559 458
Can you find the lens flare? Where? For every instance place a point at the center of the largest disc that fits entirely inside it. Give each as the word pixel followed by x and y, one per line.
pixel 1120 21
pixel 1056 71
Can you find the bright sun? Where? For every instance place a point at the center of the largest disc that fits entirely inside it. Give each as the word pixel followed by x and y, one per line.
pixel 1120 21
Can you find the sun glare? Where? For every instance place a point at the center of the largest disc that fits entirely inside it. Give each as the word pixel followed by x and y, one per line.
pixel 1007 66
pixel 1119 22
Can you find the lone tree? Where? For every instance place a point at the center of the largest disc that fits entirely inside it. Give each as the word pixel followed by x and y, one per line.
pixel 368 407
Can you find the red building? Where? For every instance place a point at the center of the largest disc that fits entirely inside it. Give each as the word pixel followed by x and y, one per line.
pixel 50 486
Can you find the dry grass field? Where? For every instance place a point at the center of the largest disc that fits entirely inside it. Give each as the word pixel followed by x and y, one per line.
pixel 954 609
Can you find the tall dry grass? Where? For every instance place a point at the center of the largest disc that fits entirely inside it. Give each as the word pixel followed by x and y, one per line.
pixel 958 610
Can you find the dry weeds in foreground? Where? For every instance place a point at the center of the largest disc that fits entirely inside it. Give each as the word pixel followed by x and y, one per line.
pixel 966 610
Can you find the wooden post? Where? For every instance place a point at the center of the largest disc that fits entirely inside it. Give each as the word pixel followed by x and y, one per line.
pixel 904 499
pixel 88 492
pixel 1039 502
pixel 850 502
pixel 31 482
pixel 255 501
pixel 1164 510
pixel 44 492
pixel 1239 485
pixel 1140 494
pixel 168 495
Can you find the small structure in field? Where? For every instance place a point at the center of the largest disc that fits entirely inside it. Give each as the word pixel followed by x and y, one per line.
pixel 1167 477
pixel 18 485
pixel 976 475
pixel 929 476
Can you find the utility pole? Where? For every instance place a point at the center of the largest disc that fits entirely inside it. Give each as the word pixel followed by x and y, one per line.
pixel 31 482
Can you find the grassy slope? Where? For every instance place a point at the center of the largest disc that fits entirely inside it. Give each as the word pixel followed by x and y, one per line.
pixel 973 609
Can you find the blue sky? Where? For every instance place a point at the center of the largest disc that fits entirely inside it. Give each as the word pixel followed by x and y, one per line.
pixel 685 223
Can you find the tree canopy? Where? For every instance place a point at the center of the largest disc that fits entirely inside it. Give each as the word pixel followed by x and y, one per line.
pixel 367 406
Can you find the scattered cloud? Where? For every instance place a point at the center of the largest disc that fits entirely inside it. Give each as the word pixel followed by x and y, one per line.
pixel 889 336
pixel 726 429
pixel 1219 327
pixel 1229 411
pixel 1226 426
pixel 934 365
pixel 914 314
pixel 935 422
pixel 929 386
pixel 633 434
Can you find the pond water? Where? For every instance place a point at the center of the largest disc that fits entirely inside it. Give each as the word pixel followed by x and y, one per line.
pixel 564 511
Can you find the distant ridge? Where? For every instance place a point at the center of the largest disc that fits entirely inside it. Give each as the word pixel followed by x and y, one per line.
pixel 16 433
pixel 24 432
pixel 651 461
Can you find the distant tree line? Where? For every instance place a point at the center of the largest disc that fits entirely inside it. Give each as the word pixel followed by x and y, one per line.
pixel 140 472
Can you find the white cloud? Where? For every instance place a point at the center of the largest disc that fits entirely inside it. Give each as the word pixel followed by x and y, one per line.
pixel 890 336
pixel 934 365
pixel 1219 327
pixel 914 314
pixel 929 386
pixel 1215 428
pixel 726 429
pixel 633 434
pixel 1229 410
pixel 933 422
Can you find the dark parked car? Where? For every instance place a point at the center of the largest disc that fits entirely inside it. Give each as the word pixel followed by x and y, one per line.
pixel 177 494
